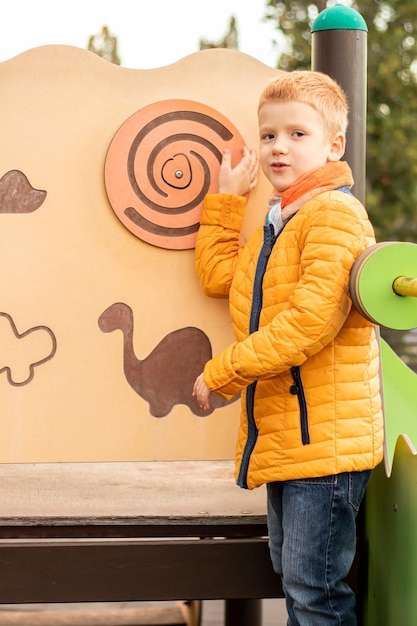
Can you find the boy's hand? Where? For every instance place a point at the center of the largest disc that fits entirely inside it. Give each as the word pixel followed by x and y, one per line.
pixel 202 393
pixel 242 178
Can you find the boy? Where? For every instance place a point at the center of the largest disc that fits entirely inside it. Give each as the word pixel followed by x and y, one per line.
pixel 304 360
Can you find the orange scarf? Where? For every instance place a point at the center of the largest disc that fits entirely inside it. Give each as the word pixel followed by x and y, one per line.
pixel 326 178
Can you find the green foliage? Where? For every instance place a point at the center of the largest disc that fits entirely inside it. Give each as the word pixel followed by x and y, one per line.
pixel 391 182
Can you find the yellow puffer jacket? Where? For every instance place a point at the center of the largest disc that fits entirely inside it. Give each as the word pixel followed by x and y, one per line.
pixel 306 362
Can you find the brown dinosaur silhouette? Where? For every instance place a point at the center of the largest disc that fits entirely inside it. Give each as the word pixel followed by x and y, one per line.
pixel 165 377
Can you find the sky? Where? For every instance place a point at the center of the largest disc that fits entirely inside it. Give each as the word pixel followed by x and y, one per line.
pixel 150 33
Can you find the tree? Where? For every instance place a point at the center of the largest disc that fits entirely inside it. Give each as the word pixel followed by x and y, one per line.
pixel 104 45
pixel 230 40
pixel 391 187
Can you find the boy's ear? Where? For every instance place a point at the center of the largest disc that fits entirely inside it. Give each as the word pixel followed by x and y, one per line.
pixel 337 148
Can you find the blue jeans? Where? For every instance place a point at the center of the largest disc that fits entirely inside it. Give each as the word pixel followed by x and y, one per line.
pixel 312 541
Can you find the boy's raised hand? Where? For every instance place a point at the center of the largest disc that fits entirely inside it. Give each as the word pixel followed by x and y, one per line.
pixel 241 179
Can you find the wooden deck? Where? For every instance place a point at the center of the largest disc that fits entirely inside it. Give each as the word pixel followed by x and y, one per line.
pixel 125 532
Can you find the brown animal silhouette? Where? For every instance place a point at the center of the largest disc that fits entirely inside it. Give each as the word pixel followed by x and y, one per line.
pixel 29 346
pixel 165 377
pixel 17 194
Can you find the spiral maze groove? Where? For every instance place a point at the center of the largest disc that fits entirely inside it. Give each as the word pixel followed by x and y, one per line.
pixel 160 165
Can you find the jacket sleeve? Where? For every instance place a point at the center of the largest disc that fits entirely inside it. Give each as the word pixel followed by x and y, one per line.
pixel 317 307
pixel 217 247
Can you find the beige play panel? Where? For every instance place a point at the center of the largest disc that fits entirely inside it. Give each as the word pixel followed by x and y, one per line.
pixel 103 326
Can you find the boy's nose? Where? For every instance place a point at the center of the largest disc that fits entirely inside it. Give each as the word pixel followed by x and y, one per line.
pixel 279 147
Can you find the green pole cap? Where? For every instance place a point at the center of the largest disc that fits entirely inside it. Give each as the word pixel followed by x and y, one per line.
pixel 339 17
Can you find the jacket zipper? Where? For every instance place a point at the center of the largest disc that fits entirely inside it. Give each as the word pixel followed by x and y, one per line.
pixel 269 241
pixel 251 438
pixel 297 389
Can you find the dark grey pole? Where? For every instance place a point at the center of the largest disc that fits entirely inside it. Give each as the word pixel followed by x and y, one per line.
pixel 339 49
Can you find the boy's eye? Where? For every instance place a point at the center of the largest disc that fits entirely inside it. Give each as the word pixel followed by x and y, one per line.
pixel 298 133
pixel 268 136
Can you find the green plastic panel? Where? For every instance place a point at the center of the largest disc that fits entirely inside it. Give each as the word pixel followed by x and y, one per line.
pixel 391 505
pixel 391 539
pixel 400 402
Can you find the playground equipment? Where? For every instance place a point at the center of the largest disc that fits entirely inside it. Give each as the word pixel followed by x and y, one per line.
pixel 99 200
pixel 384 289
pixel 381 274
pixel 89 455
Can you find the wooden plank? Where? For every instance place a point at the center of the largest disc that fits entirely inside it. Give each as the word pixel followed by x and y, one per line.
pixel 90 616
pixel 127 570
pixel 178 490
pixel 221 527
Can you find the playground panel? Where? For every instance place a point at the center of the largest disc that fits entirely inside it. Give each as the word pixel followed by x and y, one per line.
pixel 103 323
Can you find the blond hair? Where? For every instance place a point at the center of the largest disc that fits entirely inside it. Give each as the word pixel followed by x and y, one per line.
pixel 316 89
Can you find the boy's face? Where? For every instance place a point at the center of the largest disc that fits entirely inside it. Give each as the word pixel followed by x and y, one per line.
pixel 293 142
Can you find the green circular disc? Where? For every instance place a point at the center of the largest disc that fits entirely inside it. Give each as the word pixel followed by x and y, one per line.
pixel 371 284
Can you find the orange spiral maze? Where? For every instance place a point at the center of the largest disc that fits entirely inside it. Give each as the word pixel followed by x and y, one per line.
pixel 161 163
